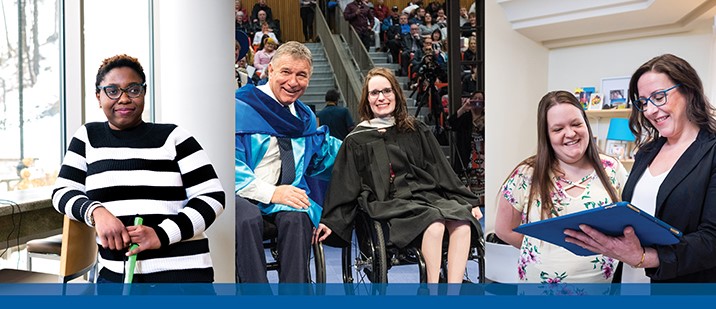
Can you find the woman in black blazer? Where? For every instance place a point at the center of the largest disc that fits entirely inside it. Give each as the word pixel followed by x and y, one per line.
pixel 673 177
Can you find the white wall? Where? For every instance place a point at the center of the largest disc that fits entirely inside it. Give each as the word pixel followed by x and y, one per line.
pixel 586 65
pixel 195 87
pixel 516 78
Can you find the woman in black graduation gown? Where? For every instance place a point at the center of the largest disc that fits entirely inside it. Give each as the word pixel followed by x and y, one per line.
pixel 392 165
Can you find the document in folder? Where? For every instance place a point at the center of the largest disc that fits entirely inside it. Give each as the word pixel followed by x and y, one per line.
pixel 610 219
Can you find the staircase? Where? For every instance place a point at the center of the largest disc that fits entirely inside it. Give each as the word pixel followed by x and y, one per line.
pixel 322 78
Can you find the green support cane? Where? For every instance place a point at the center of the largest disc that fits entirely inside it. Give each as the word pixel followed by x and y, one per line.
pixel 129 268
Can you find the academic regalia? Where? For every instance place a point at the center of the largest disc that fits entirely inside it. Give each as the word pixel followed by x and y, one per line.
pixel 423 189
pixel 258 118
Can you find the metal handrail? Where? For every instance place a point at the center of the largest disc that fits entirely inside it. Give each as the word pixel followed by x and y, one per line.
pixel 360 53
pixel 348 76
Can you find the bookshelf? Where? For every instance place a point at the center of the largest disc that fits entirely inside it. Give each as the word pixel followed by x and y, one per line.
pixel 599 119
pixel 609 113
pixel 628 163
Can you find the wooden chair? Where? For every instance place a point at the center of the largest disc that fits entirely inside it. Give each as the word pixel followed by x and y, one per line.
pixel 48 248
pixel 77 257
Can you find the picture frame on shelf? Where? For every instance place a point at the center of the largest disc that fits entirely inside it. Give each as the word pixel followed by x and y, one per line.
pixel 595 101
pixel 631 150
pixel 615 92
pixel 619 103
pixel 584 96
pixel 581 97
pixel 617 149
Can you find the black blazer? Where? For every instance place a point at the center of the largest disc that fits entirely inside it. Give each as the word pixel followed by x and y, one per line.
pixel 687 201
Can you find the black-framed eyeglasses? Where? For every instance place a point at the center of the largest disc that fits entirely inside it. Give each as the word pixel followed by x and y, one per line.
pixel 658 98
pixel 386 92
pixel 134 90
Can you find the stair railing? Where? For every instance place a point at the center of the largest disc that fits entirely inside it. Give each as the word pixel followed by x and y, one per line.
pixel 346 69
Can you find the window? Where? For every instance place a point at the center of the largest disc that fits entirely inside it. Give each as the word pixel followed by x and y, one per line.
pixel 30 100
pixel 31 124
pixel 113 27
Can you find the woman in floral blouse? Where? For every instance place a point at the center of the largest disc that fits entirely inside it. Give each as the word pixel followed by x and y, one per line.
pixel 570 170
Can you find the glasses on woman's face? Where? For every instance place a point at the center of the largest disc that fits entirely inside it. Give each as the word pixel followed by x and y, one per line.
pixel 386 92
pixel 657 99
pixel 134 90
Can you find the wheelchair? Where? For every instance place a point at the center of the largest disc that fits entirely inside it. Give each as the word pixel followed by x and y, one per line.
pixel 317 273
pixel 370 255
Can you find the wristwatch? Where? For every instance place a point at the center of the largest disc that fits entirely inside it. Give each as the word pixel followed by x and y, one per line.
pixel 91 217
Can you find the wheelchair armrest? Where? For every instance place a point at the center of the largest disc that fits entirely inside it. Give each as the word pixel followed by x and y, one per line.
pixel 492 238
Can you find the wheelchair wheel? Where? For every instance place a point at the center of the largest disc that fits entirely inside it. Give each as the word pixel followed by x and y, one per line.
pixel 475 271
pixel 316 263
pixel 318 272
pixel 475 268
pixel 364 261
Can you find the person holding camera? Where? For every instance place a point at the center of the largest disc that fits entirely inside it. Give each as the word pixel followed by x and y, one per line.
pixel 433 47
pixel 429 72
pixel 428 64
pixel 468 123
pixel 430 68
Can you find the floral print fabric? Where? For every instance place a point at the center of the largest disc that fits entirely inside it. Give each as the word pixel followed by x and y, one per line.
pixel 542 262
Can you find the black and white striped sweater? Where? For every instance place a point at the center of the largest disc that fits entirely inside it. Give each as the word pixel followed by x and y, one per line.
pixel 156 171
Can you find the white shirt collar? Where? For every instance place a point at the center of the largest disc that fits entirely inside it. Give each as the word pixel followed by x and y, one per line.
pixel 267 90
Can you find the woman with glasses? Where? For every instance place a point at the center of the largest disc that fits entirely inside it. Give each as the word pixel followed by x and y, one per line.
pixel 391 164
pixel 566 175
pixel 673 177
pixel 124 168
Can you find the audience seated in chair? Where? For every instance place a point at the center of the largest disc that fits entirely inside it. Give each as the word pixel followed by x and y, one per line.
pixel 240 24
pixel 258 7
pixel 263 57
pixel 238 7
pixel 260 37
pixel 411 49
pixel 470 54
pixel 395 28
pixel 257 25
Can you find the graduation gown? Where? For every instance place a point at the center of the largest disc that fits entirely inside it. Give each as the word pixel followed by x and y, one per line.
pixel 258 118
pixel 424 188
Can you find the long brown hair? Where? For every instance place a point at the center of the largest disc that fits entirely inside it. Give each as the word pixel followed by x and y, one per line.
pixel 544 162
pixel 698 109
pixel 403 121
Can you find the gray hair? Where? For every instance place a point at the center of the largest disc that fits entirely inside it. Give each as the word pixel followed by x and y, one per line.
pixel 295 50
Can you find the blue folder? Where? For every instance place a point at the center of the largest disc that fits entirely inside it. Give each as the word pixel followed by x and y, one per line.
pixel 610 219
